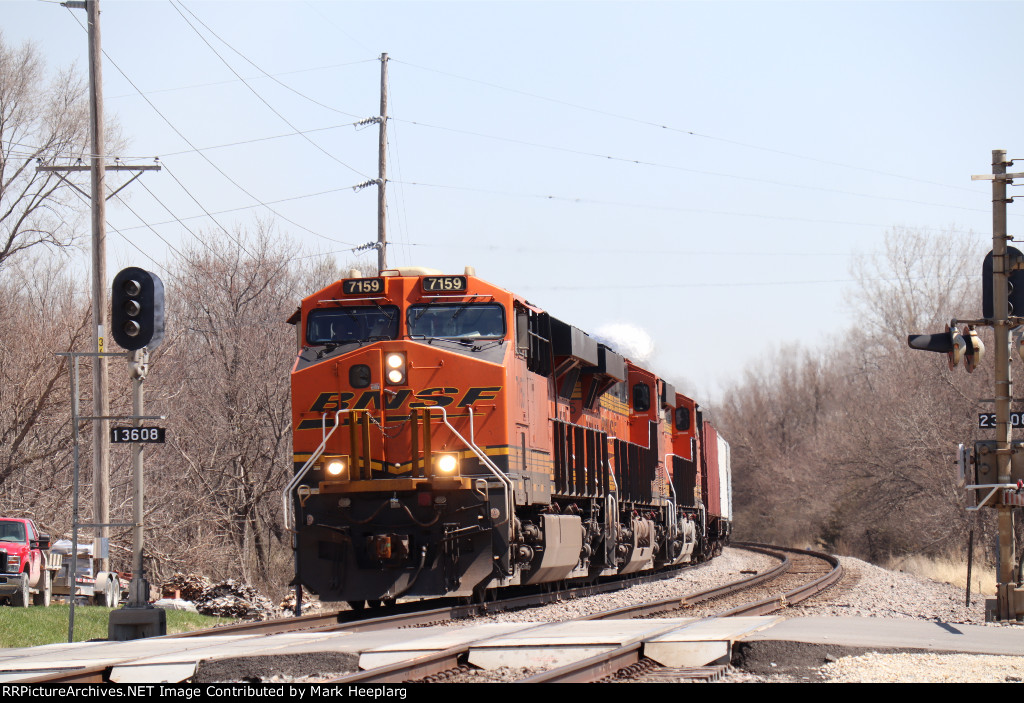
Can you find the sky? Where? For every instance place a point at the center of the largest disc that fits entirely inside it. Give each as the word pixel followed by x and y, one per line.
pixel 703 171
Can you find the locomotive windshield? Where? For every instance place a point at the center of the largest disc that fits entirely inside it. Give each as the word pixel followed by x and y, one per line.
pixel 352 324
pixel 457 321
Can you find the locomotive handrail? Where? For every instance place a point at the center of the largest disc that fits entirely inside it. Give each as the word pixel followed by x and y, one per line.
pixel 674 500
pixel 301 473
pixel 486 460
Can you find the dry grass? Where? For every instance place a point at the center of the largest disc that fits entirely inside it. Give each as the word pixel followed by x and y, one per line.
pixel 948 570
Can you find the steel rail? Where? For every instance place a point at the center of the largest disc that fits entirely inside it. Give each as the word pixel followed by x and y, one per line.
pixel 364 620
pixel 604 664
pixel 592 668
pixel 675 603
pixel 586 670
pixel 314 621
pixel 796 595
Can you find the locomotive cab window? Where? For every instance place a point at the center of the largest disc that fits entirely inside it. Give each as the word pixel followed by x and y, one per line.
pixel 522 331
pixel 641 397
pixel 352 324
pixel 457 321
pixel 682 419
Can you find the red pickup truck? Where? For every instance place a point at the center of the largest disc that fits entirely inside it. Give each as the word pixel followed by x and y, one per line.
pixel 26 566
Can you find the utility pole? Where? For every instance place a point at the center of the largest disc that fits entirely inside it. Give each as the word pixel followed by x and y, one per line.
pixel 101 400
pixel 1001 270
pixel 98 169
pixel 382 179
pixel 998 472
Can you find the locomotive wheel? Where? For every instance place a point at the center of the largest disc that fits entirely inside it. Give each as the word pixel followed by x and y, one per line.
pixel 374 603
pixel 357 604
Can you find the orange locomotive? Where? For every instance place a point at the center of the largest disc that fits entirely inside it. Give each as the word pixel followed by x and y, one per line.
pixel 450 437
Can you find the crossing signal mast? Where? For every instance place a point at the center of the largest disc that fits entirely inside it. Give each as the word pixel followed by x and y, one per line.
pixel 998 464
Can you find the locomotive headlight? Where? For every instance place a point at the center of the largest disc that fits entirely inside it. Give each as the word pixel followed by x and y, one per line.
pixel 446 464
pixel 395 368
pixel 336 466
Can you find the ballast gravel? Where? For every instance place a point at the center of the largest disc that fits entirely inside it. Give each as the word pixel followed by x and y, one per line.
pixel 870 591
pixel 731 565
pixel 865 591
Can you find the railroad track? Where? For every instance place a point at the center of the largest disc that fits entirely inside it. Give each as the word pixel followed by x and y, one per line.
pixel 799 575
pixel 802 575
pixel 424 613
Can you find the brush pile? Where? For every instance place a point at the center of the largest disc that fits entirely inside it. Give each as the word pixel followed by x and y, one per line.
pixel 228 599
pixel 310 604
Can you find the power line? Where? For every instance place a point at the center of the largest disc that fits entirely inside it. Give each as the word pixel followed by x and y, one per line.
pixel 670 128
pixel 151 228
pixel 723 284
pixel 200 153
pixel 258 139
pixel 641 162
pixel 253 90
pixel 339 28
pixel 670 208
pixel 176 219
pixel 273 76
pixel 226 211
pixel 118 233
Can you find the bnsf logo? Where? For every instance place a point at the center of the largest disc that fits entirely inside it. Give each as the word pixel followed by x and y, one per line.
pixel 427 398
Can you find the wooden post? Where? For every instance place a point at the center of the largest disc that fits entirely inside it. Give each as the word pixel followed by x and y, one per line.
pixel 101 402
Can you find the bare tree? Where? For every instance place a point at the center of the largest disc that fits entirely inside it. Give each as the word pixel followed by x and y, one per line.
pixel 40 314
pixel 225 373
pixel 852 446
pixel 41 121
pixel 916 283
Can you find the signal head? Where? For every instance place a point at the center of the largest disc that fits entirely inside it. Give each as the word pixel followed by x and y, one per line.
pixel 137 309
pixel 941 343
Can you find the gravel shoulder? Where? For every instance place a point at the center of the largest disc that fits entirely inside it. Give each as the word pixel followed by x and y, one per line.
pixel 730 566
pixel 865 591
pixel 870 591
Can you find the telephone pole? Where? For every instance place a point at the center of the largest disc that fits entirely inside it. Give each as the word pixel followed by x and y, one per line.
pixel 998 472
pixel 98 169
pixel 382 179
pixel 101 400
pixel 1001 270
